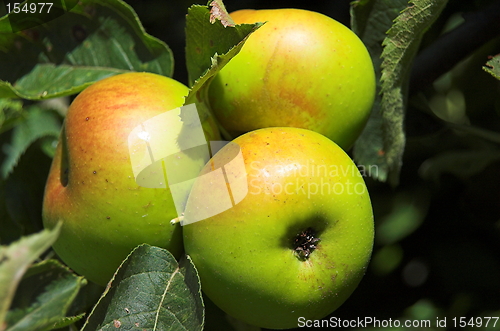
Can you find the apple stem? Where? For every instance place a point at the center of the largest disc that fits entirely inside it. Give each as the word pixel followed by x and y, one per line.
pixel 177 220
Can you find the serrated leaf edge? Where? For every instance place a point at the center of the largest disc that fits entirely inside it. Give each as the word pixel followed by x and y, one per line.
pixel 405 35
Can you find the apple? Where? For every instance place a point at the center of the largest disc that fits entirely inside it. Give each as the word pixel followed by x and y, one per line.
pixel 300 69
pixel 91 186
pixel 299 241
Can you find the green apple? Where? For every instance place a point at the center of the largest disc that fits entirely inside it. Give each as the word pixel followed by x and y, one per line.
pixel 298 237
pixel 92 187
pixel 300 69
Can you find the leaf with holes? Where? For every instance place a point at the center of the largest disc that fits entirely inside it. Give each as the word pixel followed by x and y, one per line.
pixel 150 291
pixel 94 40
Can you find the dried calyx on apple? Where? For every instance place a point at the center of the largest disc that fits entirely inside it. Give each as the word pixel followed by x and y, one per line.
pixel 305 243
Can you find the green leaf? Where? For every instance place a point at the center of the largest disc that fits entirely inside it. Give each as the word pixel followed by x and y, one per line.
pixel 49 311
pixel 10 111
pixel 212 40
pixel 38 123
pixel 96 39
pixel 15 260
pixel 382 142
pixel 370 20
pixel 493 66
pixel 64 321
pixel 211 34
pixel 150 291
pixel 400 46
pixel 44 296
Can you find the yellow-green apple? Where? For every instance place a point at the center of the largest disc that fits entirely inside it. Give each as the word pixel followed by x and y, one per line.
pixel 297 240
pixel 91 186
pixel 300 69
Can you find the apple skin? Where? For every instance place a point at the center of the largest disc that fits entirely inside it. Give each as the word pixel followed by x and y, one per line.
pixel 246 256
pixel 300 69
pixel 91 186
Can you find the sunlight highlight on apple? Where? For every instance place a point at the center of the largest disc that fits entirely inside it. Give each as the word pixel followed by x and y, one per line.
pixel 159 163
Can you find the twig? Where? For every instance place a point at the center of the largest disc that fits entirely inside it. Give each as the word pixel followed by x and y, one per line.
pixel 479 27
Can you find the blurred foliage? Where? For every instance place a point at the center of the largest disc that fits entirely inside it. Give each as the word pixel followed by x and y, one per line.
pixel 437 249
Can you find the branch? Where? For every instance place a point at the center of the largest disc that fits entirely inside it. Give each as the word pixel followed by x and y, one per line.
pixel 479 27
